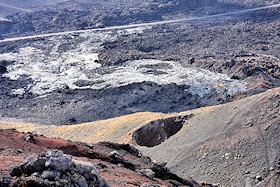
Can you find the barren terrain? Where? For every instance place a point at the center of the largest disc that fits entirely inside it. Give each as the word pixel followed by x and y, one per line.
pixel 194 85
pixel 124 171
pixel 228 144
pixel 94 75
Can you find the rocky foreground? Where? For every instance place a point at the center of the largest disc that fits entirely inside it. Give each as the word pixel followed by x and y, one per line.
pixel 103 164
pixel 54 169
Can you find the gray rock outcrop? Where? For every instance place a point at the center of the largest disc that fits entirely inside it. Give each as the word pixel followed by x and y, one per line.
pixel 56 169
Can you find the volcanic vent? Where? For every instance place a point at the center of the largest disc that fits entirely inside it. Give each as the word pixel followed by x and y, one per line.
pixel 158 131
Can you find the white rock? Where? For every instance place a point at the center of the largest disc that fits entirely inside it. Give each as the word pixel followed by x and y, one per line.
pixel 58 161
pixel 86 169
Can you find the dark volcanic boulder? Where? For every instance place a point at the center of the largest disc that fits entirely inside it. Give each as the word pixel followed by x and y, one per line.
pixel 3 69
pixel 55 169
pixel 3 65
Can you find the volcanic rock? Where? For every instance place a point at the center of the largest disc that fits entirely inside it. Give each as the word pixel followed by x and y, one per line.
pixel 29 138
pixel 3 69
pixel 55 169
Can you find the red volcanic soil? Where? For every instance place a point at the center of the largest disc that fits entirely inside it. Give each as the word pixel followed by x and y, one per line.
pixel 117 172
pixel 13 148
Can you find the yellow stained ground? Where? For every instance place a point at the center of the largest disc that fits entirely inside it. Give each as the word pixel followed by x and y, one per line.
pixel 120 129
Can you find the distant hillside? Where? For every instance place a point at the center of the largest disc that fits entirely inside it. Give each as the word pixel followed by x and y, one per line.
pixel 29 3
pixel 9 7
pixel 81 14
pixel 4 11
pixel 251 2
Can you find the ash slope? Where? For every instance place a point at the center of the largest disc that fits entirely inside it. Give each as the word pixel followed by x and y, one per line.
pixel 236 144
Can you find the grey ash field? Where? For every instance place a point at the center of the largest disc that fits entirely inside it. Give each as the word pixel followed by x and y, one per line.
pixel 95 75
